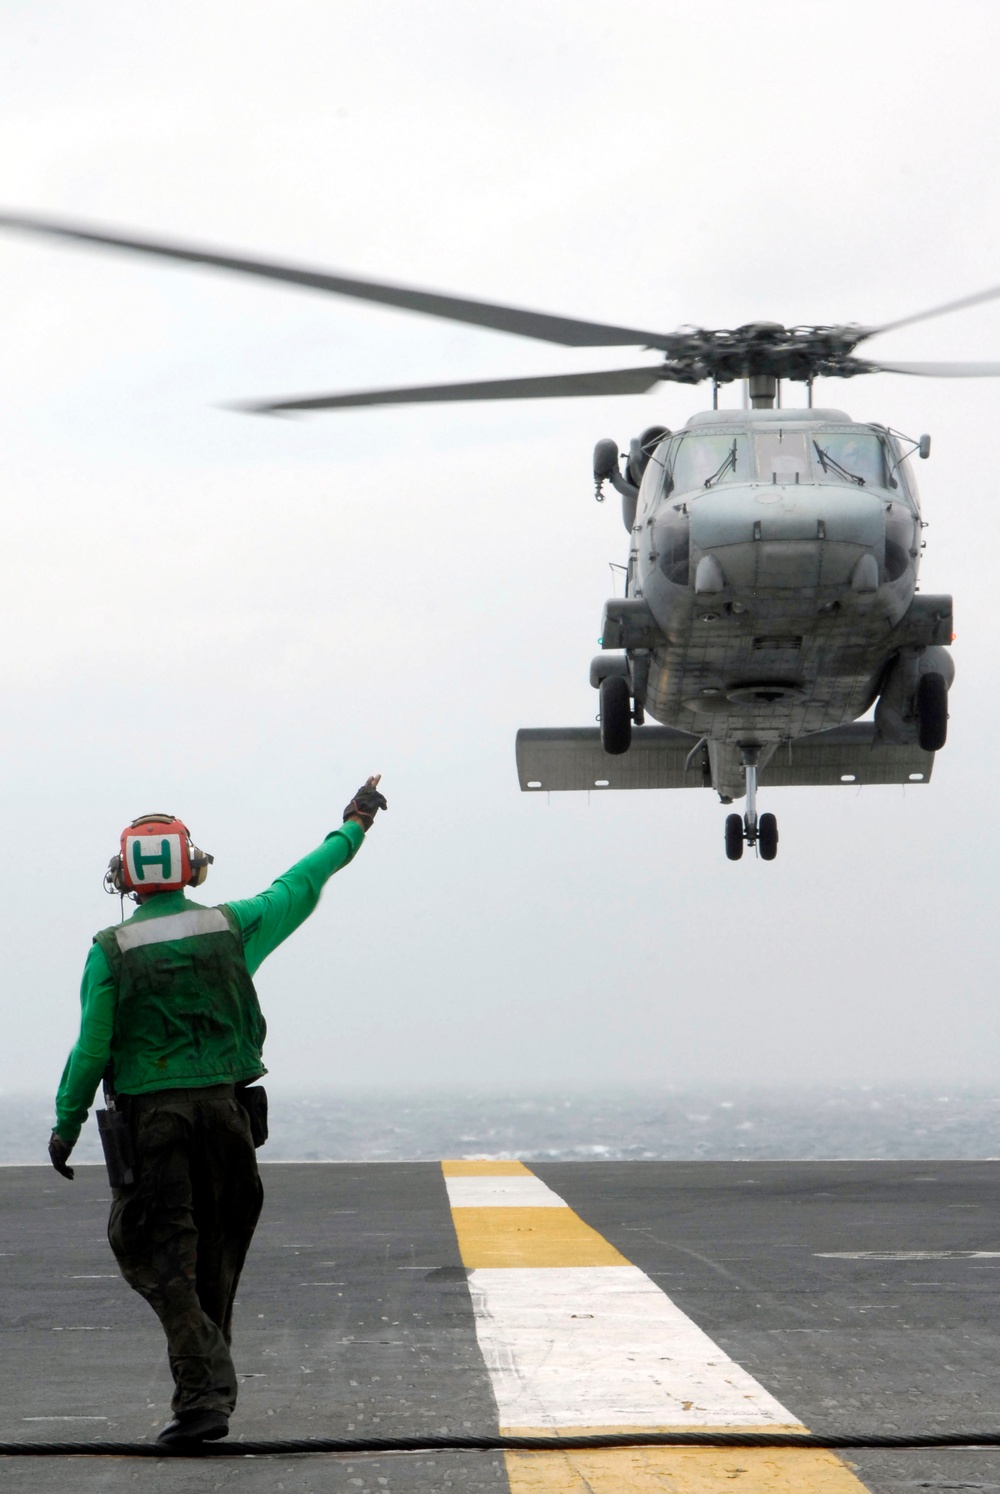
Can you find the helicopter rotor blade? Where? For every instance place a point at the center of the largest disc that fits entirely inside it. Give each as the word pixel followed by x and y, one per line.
pixel 979 299
pixel 941 370
pixel 548 386
pixel 567 331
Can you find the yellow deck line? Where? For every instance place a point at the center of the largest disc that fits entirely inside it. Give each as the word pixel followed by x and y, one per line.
pixel 530 1237
pixel 462 1169
pixel 510 1237
pixel 680 1470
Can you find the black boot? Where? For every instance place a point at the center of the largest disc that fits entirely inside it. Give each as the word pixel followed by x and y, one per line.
pixel 195 1426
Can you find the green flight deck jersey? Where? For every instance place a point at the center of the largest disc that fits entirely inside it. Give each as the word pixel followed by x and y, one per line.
pixel 168 994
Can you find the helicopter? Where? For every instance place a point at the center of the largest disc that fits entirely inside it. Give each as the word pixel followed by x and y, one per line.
pixel 771 594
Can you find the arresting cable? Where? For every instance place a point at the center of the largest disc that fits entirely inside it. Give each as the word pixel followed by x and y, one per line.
pixel 356 1446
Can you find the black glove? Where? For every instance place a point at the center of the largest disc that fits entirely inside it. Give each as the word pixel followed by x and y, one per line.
pixel 366 803
pixel 59 1155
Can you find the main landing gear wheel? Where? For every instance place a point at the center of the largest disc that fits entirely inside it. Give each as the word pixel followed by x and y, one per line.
pixel 616 715
pixel 734 837
pixel 767 837
pixel 932 712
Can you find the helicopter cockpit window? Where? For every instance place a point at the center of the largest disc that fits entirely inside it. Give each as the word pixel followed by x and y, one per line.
pixel 849 456
pixel 782 456
pixel 708 461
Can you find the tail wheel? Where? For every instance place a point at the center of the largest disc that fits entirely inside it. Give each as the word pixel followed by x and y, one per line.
pixel 932 712
pixel 616 715
pixel 767 837
pixel 734 836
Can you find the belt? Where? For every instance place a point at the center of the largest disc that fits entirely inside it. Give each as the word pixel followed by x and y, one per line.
pixel 202 1092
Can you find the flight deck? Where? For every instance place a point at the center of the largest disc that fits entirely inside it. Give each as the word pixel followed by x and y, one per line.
pixel 421 1299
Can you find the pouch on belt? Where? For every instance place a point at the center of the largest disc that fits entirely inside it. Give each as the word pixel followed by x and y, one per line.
pixel 116 1139
pixel 254 1102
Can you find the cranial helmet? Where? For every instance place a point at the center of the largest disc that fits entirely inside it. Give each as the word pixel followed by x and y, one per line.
pixel 157 855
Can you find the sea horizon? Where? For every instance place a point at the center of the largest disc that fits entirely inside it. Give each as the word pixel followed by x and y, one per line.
pixel 651 1123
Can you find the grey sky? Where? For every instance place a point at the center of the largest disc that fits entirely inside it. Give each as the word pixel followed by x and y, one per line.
pixel 236 619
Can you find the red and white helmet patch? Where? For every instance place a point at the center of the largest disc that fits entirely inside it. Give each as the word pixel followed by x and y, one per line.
pixel 155 855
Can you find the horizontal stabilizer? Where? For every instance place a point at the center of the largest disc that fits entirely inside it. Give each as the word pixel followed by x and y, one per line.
pixel 571 757
pixel 846 754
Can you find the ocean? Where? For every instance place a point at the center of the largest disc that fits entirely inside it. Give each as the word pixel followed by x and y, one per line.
pixel 722 1123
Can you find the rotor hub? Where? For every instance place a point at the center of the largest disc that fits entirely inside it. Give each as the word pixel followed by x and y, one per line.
pixel 764 349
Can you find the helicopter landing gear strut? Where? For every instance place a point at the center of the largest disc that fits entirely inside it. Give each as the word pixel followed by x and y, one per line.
pixel 762 832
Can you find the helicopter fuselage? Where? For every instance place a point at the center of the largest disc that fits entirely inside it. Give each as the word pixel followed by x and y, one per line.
pixel 773 566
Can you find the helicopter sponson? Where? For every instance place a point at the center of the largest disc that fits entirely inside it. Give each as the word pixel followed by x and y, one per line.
pixel 770 599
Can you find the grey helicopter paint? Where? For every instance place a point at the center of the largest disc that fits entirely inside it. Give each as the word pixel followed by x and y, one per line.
pixel 772 575
pixel 771 598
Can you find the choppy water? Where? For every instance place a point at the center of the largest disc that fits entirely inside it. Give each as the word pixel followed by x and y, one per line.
pixel 645 1124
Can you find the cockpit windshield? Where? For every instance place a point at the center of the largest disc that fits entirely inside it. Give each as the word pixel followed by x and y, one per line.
pixel 703 461
pixel 782 456
pixel 849 456
pixel 776 454
pixel 855 456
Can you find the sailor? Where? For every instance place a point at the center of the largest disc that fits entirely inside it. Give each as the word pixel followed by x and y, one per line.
pixel 172 1024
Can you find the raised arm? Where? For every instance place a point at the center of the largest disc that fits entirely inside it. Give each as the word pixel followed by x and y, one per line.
pixel 268 919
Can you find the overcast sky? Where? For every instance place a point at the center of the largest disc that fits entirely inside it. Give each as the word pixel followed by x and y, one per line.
pixel 237 619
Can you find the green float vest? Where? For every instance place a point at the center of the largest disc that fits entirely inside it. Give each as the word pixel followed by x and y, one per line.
pixel 187 1013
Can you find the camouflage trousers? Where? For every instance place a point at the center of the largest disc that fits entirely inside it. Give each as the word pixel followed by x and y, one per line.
pixel 181 1232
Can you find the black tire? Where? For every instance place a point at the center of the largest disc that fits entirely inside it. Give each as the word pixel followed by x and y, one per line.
pixel 734 836
pixel 767 837
pixel 932 712
pixel 616 715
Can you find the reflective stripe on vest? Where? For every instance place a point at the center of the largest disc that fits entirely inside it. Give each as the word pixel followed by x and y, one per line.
pixel 171 926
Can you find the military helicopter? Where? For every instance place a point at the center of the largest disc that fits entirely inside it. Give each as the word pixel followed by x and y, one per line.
pixel 771 586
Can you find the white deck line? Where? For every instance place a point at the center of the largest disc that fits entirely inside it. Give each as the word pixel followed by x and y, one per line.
pixel 594 1346
pixel 485 1192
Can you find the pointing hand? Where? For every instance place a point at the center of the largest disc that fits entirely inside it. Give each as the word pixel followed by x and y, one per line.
pixel 366 803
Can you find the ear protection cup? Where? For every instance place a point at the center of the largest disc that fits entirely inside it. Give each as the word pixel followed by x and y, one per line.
pixel 200 862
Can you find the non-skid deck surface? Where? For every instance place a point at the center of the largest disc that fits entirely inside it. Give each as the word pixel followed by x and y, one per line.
pixel 566 1297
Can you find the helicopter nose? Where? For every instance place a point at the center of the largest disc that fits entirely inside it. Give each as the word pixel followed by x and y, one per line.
pixel 782 538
